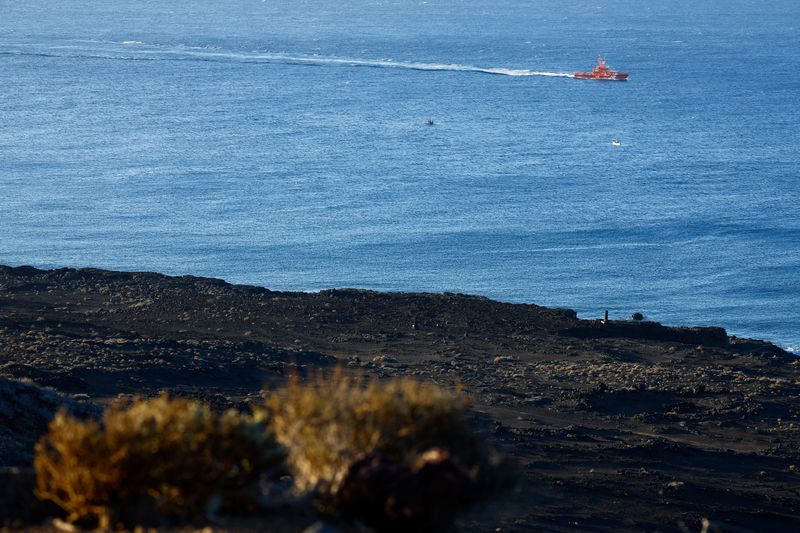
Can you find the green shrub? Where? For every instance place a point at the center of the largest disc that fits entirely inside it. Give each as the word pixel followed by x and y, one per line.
pixel 150 460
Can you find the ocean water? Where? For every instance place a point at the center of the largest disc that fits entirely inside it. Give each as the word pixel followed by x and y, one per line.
pixel 284 144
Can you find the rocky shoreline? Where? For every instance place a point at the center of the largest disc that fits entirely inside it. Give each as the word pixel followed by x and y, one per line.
pixel 615 426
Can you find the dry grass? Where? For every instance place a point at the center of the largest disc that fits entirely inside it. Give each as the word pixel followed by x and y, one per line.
pixel 328 423
pixel 150 459
pixel 399 455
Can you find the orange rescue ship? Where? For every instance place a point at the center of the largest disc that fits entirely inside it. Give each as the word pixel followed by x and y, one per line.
pixel 602 72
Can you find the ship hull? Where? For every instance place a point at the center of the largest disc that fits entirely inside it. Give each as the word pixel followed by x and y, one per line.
pixel 617 76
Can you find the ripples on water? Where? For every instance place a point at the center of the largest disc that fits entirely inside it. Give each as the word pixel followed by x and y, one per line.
pixel 285 146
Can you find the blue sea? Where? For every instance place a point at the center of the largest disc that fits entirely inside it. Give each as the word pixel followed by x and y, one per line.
pixel 284 144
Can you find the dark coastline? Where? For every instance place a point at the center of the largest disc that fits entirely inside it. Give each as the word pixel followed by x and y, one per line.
pixel 619 426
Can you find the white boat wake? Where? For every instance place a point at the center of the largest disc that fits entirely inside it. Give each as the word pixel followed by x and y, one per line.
pixel 138 51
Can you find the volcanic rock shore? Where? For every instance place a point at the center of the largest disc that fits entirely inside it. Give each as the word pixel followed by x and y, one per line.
pixel 614 426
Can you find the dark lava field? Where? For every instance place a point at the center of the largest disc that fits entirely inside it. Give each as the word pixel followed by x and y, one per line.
pixel 613 426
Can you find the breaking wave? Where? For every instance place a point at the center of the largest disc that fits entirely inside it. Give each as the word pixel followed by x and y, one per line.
pixel 138 51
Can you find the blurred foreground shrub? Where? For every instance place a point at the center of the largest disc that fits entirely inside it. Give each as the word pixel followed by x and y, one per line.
pixel 151 460
pixel 398 455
